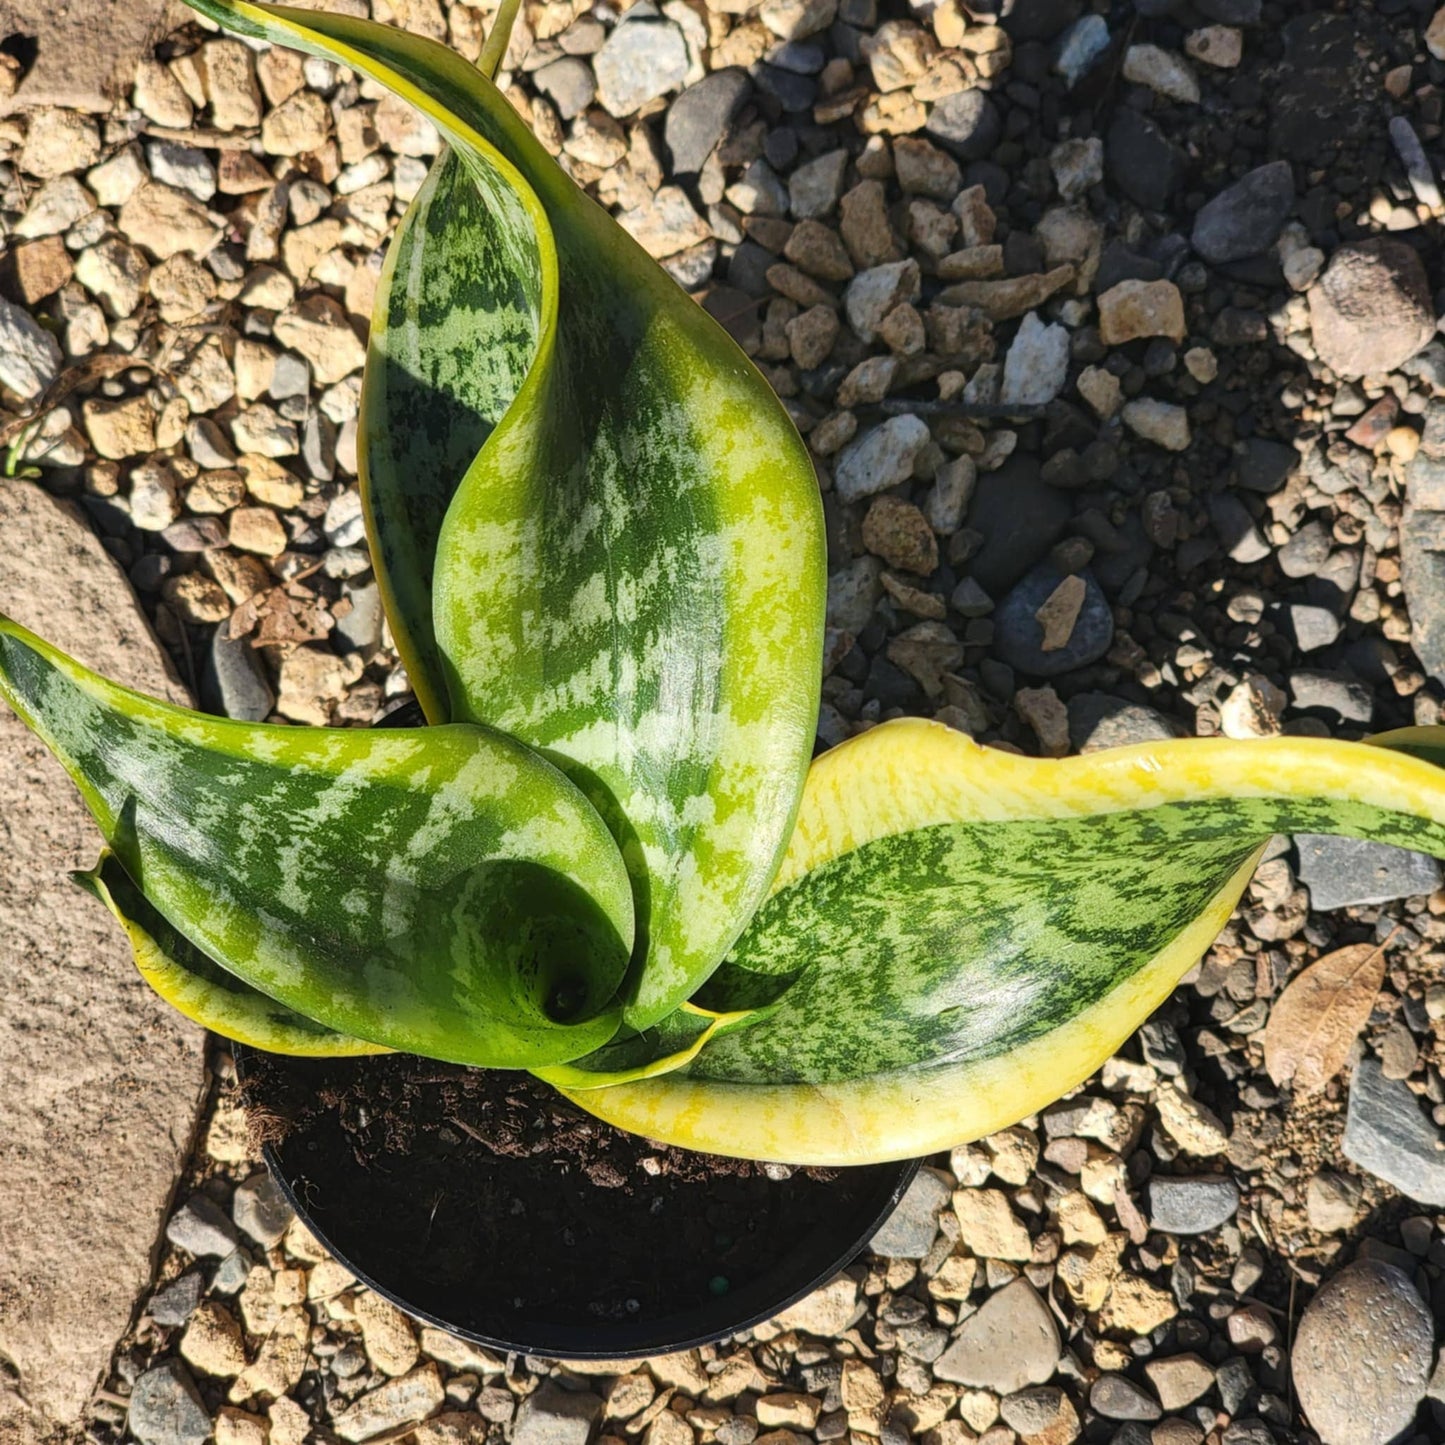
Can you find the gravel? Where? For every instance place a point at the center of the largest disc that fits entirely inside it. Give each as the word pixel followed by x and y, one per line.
pixel 1047 322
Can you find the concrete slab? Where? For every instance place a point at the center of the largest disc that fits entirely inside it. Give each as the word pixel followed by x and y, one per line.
pixel 100 1081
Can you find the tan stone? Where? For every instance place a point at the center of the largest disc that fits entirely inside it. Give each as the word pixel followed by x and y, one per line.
pixel 387 1334
pixel 120 429
pixel 311 681
pixel 212 1341
pixel 58 142
pixel 230 73
pixel 259 530
pixel 300 124
pixel 1190 1124
pixel 1132 309
pixel 1137 1306
pixel 96 1128
pixel 165 220
pixel 989 1226
pixel 317 328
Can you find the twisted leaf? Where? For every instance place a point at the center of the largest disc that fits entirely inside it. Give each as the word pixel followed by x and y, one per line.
pixel 959 935
pixel 630 576
pixel 443 890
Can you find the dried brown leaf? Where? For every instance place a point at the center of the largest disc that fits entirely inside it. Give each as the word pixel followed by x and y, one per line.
pixel 1319 1016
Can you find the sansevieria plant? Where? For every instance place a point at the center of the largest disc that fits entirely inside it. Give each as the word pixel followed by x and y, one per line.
pixel 607 859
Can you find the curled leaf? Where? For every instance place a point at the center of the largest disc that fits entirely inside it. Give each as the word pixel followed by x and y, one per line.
pixel 444 890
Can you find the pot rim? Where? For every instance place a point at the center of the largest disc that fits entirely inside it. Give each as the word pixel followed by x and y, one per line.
pixel 667 1334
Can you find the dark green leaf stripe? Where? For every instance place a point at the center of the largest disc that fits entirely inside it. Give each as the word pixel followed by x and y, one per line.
pixel 454 334
pixel 961 943
pixel 199 987
pixel 443 891
pixel 631 577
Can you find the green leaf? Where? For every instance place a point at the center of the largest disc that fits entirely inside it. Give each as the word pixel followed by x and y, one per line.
pixel 959 935
pixel 631 575
pixel 458 313
pixel 667 1045
pixel 200 988
pixel 441 890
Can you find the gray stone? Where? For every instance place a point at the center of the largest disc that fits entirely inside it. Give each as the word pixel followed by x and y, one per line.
pixel 166 1408
pixel 569 84
pixel 360 629
pixel 853 592
pixel 1191 1205
pixel 1388 1136
pixel 177 1302
pixel 909 1232
pixel 967 123
pixel 234 682
pixel 259 1208
pixel 343 522
pixel 1313 627
pixel 1349 872
pixel 232 1272
pixel 814 188
pixel 184 167
pixel 1116 1397
pixel 1037 364
pixel 880 458
pixel 29 354
pixel 1019 517
pixel 96 1129
pixel 1081 48
pixel 1009 1343
pixel 1236 529
pixel 642 59
pixel 1342 700
pixel 553 1416
pixel 200 1228
pixel 1140 161
pixel 1422 567
pixel 1247 217
pixel 1362 1355
pixel 1018 634
pixel 699 118
pixel 1098 720
pixel 1372 309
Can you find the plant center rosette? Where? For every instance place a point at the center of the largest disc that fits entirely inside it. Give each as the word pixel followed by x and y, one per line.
pixel 608 859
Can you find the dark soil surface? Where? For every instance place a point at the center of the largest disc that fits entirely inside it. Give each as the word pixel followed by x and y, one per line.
pixel 491 1195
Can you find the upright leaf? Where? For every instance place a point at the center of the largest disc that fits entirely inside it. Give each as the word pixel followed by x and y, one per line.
pixel 441 890
pixel 630 577
pixel 1318 1017
pixel 458 312
pixel 958 935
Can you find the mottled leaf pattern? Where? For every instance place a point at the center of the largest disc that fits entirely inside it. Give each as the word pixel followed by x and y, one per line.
pixel 454 334
pixel 631 575
pixel 441 890
pixel 948 911
pixel 200 988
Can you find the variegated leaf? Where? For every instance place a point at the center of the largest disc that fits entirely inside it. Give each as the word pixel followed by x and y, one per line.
pixel 630 577
pixel 959 935
pixel 441 890
pixel 200 988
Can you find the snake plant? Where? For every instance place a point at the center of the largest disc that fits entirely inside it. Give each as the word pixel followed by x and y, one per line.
pixel 607 859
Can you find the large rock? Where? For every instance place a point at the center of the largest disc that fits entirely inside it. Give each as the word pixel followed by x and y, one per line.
pixel 1371 311
pixel 85 55
pixel 99 1080
pixel 1362 1355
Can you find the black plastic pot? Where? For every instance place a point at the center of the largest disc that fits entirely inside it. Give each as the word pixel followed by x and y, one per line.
pixel 867 1196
